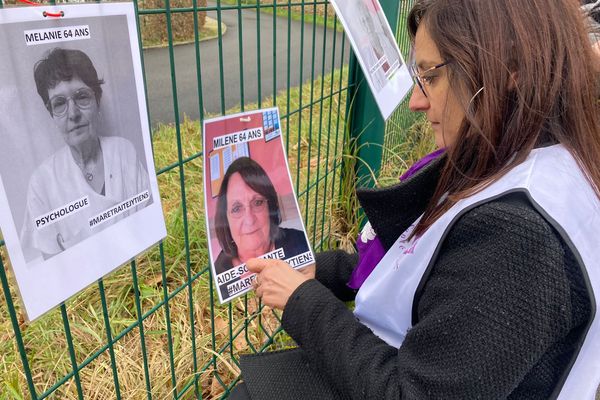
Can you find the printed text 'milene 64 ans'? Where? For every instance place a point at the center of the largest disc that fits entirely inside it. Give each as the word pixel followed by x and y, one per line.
pixel 238 137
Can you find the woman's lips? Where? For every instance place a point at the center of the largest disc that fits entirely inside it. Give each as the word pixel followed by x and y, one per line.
pixel 78 127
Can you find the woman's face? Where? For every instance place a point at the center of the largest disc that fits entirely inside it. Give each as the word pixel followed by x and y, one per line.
pixel 441 105
pixel 248 218
pixel 77 124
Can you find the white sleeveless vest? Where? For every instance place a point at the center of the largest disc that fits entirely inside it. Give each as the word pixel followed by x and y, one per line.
pixel 560 192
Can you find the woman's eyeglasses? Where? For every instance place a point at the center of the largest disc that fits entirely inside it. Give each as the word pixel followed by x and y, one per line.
pixel 82 98
pixel 422 79
pixel 238 210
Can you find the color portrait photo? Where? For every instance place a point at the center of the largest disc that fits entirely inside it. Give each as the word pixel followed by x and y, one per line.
pixel 251 207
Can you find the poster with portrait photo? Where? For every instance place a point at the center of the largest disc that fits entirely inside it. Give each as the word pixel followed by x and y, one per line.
pixel 376 51
pixel 78 191
pixel 251 207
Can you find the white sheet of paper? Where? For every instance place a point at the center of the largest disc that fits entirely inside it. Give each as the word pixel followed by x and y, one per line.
pixel 46 205
pixel 377 52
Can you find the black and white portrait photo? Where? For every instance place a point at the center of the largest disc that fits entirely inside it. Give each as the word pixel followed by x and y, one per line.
pixel 76 164
pixel 92 172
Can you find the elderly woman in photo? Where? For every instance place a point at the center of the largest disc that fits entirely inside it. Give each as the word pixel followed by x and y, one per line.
pixel 247 217
pixel 80 188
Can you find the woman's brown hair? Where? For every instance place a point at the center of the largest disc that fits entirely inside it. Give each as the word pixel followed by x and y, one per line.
pixel 535 64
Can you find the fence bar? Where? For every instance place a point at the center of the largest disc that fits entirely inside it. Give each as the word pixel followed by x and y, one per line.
pixel 329 135
pixel 198 58
pixel 337 126
pixel 221 60
pixel 258 63
pixel 300 99
pixel 163 274
pixel 109 339
pixel 287 109
pixel 140 48
pixel 138 307
pixel 316 207
pixel 310 117
pixel 241 54
pixel 65 318
pixel 183 195
pixel 274 44
pixel 18 336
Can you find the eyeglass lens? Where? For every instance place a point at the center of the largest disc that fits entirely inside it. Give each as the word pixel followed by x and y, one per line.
pixel 238 210
pixel 82 98
pixel 412 69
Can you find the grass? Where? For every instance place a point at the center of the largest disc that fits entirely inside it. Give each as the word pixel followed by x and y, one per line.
pixel 183 329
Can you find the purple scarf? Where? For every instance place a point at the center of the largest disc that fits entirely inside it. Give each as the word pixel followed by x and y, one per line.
pixel 370 248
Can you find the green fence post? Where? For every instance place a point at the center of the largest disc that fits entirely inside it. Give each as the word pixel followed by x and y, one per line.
pixel 367 125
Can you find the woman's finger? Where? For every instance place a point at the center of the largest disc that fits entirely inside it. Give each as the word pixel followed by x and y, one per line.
pixel 259 291
pixel 256 264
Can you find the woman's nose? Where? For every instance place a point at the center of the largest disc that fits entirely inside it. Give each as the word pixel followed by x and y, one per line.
pixel 73 110
pixel 249 218
pixel 418 101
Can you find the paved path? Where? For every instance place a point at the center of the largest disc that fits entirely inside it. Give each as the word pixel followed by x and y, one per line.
pixel 158 73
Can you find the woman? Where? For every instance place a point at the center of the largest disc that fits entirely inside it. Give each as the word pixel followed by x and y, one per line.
pixel 488 286
pixel 73 193
pixel 247 217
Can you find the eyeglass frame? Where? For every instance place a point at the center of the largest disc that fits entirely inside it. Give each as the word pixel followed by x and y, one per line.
pixel 253 209
pixel 418 76
pixel 72 97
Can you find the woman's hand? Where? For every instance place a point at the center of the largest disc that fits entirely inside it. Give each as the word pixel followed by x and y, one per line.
pixel 275 281
pixel 309 271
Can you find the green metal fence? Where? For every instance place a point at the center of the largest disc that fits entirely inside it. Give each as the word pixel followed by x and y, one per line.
pixel 153 329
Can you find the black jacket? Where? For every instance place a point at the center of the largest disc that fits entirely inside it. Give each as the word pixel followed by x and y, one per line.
pixel 500 313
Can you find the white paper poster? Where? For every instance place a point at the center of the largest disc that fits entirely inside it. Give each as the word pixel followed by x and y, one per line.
pixel 376 50
pixel 78 191
pixel 251 208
